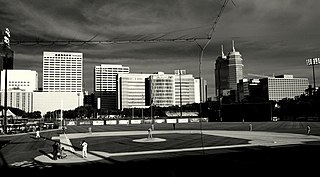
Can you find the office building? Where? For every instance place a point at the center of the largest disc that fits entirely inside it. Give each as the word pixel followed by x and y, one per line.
pixel 184 88
pixel 62 82
pixel 235 68
pixel 25 80
pixel 228 72
pixel 62 72
pixel 161 89
pixel 221 74
pixel 200 92
pixel 283 86
pixel 132 90
pixel 105 84
pixel 250 90
pixel 17 98
pixel 20 87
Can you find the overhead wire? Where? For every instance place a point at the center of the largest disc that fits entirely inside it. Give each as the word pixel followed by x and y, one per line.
pixel 170 36
pixel 153 37
pixel 202 48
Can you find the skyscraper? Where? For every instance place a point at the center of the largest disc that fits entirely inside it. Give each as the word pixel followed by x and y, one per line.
pixel 221 74
pixel 62 72
pixel 235 68
pixel 228 72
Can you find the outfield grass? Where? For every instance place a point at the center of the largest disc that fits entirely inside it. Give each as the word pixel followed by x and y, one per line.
pixel 280 126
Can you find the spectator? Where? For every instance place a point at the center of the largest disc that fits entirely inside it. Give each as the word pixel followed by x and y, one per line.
pixel 63 153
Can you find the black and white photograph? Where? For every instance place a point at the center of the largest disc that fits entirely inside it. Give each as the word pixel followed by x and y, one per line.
pixel 167 88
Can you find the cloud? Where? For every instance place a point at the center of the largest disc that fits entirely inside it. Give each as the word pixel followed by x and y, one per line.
pixel 272 35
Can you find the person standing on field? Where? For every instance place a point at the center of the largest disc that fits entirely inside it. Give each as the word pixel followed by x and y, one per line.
pixel 38 132
pixel 308 130
pixel 84 145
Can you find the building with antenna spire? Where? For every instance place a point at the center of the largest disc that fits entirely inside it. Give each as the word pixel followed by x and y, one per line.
pixel 221 74
pixel 235 67
pixel 228 72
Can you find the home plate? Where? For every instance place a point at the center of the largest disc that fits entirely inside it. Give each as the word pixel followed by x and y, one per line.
pixel 149 140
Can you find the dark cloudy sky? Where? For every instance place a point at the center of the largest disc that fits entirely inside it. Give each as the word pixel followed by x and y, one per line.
pixel 273 36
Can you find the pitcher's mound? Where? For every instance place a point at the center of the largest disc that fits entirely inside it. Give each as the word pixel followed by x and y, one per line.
pixel 149 140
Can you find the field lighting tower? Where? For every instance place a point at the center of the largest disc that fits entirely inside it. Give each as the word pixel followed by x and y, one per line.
pixel 6 46
pixel 312 62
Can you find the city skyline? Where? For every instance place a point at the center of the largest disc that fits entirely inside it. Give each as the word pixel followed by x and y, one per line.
pixel 274 37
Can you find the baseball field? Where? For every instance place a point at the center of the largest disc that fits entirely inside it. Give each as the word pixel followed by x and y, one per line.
pixel 188 149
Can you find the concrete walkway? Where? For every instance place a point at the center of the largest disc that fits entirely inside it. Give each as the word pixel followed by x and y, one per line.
pixel 72 158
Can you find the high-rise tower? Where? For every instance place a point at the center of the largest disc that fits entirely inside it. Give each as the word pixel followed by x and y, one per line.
pixel 228 72
pixel 62 72
pixel 235 68
pixel 221 73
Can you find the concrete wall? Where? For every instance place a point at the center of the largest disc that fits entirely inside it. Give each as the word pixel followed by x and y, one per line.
pixel 50 101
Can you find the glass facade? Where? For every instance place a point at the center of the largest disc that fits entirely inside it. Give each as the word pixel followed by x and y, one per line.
pixel 162 89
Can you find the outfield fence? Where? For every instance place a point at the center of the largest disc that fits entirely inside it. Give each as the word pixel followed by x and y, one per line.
pixel 134 121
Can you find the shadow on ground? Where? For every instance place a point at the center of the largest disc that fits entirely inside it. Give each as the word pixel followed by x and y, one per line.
pixel 240 161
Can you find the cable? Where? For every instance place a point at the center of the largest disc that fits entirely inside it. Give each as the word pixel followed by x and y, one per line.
pixel 202 48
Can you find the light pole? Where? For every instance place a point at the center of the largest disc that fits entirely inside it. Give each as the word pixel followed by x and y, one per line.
pixel 6 45
pixel 132 112
pixel 100 91
pixel 202 48
pixel 312 62
pixel 142 106
pixel 180 95
pixel 219 92
pixel 61 115
pixel 151 111
pixel 78 94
